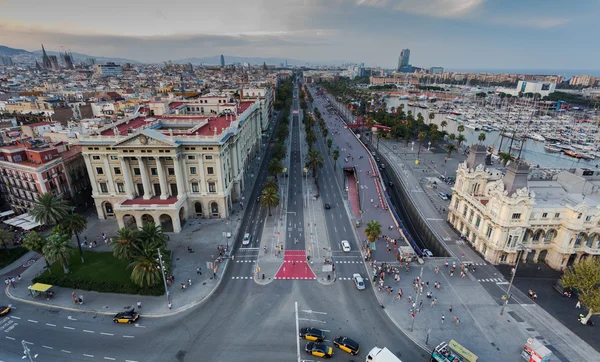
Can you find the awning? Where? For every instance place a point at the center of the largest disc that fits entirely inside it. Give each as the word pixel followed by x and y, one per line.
pixel 467 355
pixel 6 213
pixel 24 221
pixel 40 287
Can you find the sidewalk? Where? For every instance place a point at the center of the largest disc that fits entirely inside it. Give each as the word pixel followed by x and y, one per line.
pixel 184 265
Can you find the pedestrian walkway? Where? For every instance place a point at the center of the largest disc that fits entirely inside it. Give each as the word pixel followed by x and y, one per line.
pixel 294 266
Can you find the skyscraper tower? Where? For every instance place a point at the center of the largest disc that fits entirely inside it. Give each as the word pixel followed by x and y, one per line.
pixel 222 60
pixel 45 59
pixel 403 59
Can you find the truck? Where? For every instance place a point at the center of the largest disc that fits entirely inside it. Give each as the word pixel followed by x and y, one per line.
pixel 381 355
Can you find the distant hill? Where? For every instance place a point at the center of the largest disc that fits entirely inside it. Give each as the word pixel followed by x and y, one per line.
pixel 216 60
pixel 79 57
pixel 6 51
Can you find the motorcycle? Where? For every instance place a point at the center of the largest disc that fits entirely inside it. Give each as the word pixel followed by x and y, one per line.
pixel 582 320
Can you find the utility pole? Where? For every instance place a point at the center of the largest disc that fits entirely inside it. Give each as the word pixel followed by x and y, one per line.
pixel 507 296
pixel 163 272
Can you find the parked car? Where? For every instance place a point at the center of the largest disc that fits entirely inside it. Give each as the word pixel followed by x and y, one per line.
pixel 427 253
pixel 312 334
pixel 347 345
pixel 319 350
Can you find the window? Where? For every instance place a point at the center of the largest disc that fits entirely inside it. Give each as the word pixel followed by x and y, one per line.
pixel 195 187
pixel 95 157
pixel 171 171
pixel 545 215
pixel 114 157
pixel 516 216
pixel 465 210
pixel 193 170
pixel 210 170
pixel 153 171
pixel 117 170
pixel 471 216
pixel 212 187
pixel 549 236
pixel 488 232
pixel 136 171
pixel 477 221
pixel 579 216
pixel 99 171
pixel 503 258
pixel 208 157
pixel 191 157
pixel 557 215
pixel 588 218
pixel 120 188
pixel 103 187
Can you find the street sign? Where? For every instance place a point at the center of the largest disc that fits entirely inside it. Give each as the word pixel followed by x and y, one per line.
pixel 209 265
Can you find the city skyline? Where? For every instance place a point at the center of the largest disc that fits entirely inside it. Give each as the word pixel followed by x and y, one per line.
pixel 458 34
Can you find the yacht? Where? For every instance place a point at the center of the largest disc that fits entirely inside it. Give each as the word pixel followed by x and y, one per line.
pixel 404 96
pixel 423 97
pixel 536 137
pixel 516 147
pixel 552 148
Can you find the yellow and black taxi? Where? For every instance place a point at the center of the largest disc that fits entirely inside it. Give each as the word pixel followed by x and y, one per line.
pixel 312 334
pixel 319 350
pixel 347 345
pixel 4 310
pixel 130 316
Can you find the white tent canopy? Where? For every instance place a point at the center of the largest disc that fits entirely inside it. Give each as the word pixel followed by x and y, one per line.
pixel 24 221
pixel 6 213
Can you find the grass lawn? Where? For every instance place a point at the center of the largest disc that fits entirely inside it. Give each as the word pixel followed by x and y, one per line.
pixel 15 253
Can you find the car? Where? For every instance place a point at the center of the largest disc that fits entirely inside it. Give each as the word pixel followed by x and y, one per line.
pixel 130 316
pixel 377 159
pixel 443 196
pixel 258 199
pixel 246 239
pixel 319 350
pixel 390 184
pixel 312 334
pixel 345 246
pixel 427 253
pixel 4 310
pixel 347 345
pixel 327 206
pixel 359 282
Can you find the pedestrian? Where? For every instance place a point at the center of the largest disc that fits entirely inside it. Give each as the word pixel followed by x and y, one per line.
pixel 410 298
pixel 443 317
pixel 399 294
pixel 190 282
pixel 12 282
pixel 182 286
pixel 452 272
pixel 19 277
pixel 170 305
pixel 427 284
pixel 421 304
pixel 446 263
pixel 578 305
pixel 432 305
pixel 139 304
pixel 198 271
pixel 80 299
pixel 450 309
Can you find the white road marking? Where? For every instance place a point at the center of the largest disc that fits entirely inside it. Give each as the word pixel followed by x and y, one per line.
pixel 297 333
pixel 86 331
pixel 64 350
pixel 28 342
pixel 109 358
pixel 11 338
pixel 130 360
pixel 128 337
pixel 13 317
pixel 89 355
pixel 65 327
pixel 326 330
pixel 51 325
pixel 106 334
pixel 32 321
pixel 71 318
pixel 48 347
pixel 139 326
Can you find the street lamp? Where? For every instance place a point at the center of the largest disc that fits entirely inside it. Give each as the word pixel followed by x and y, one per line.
pixel 414 312
pixel 163 272
pixel 506 297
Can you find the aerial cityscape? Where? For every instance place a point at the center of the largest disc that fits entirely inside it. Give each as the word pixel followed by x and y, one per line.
pixel 354 180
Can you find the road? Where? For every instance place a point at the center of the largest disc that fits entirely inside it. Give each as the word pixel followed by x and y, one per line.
pixel 240 321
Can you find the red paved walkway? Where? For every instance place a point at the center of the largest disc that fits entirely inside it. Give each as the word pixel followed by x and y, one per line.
pixel 294 266
pixel 353 195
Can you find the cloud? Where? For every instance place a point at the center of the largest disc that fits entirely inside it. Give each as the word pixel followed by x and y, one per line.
pixel 434 8
pixel 539 22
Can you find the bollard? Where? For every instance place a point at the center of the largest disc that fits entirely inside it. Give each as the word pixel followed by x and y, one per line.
pixel 263 276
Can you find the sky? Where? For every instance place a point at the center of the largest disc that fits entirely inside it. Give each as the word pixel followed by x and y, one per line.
pixel 459 34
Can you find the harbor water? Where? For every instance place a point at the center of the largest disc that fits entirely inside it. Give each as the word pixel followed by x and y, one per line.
pixel 532 151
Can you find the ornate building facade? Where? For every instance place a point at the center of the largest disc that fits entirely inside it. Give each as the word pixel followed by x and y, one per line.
pixel 553 219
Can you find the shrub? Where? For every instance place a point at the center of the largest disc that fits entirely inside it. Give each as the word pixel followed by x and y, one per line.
pixel 99 286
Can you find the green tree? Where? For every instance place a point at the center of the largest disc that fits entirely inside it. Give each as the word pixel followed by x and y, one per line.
pixel 325 132
pixel 271 183
pixel 274 167
pixel 329 144
pixel 372 231
pixel 269 199
pixel 153 233
pixel 146 270
pixel 431 117
pixel 279 151
pixel 505 158
pixel 311 138
pixel 481 138
pixel 460 129
pixel 75 224
pixel 585 277
pixel 407 137
pixel 49 209
pixel 420 137
pixel 450 147
pixel 6 237
pixel 443 124
pixel 57 249
pixel 460 139
pixel 123 247
pixel 314 161
pixel 336 155
pixel 35 242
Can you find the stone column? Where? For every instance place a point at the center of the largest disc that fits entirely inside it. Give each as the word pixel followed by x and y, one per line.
pixel 179 176
pixel 91 174
pixel 108 170
pixel 164 192
pixel 145 179
pixel 201 174
pixel 220 186
pixel 127 176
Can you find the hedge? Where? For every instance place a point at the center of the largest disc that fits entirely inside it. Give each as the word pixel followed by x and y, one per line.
pixel 98 286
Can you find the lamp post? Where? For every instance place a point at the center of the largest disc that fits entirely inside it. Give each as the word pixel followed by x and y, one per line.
pixel 414 312
pixel 519 255
pixel 162 269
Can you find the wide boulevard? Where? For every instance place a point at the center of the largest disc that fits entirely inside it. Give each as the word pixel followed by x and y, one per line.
pixel 241 320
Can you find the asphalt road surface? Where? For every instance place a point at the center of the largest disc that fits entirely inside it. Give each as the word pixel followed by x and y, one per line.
pixel 240 321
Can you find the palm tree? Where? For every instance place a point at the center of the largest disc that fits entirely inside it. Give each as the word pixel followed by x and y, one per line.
pixel 450 147
pixel 505 157
pixel 481 138
pixel 452 137
pixel 49 209
pixel 270 198
pixel 431 117
pixel 443 124
pixel 407 137
pixel 5 238
pixel 336 155
pixel 274 167
pixel 35 242
pixel 75 224
pixel 325 132
pixel 329 144
pixel 460 139
pixel 420 137
pixel 145 271
pixel 57 249
pixel 314 161
pixel 124 245
pixel 310 138
pixel 271 183
pixel 460 129
pixel 373 230
pixel 152 233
